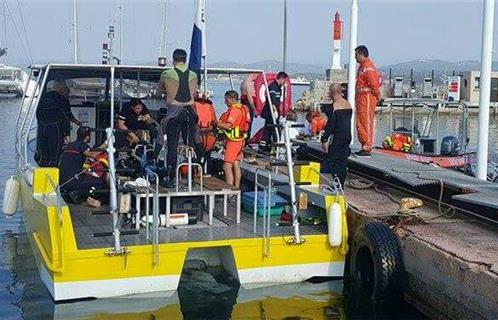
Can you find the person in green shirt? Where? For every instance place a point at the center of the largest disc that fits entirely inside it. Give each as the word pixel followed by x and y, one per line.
pixel 179 85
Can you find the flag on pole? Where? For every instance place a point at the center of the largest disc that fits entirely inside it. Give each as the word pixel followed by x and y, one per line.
pixel 198 44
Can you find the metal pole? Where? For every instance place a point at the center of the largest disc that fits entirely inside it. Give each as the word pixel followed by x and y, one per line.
pixel 292 185
pixel 75 31
pixel 353 31
pixel 113 196
pixel 205 77
pixel 162 48
pixel 284 59
pixel 485 87
pixel 121 33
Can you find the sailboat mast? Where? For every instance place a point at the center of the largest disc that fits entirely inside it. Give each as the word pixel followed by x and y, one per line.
pixel 203 49
pixel 75 31
pixel 162 48
pixel 284 59
pixel 121 33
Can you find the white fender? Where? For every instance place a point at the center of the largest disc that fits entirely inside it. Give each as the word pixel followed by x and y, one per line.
pixel 334 218
pixel 11 196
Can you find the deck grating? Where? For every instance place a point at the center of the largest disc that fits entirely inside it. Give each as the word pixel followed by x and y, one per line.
pixel 223 228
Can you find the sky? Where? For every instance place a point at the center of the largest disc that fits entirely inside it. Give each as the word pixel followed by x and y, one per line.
pixel 245 31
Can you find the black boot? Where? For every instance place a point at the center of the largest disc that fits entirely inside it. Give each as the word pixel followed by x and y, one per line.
pixel 167 179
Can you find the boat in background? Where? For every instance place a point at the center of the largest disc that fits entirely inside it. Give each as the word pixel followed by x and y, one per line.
pixel 416 135
pixel 300 81
pixel 12 81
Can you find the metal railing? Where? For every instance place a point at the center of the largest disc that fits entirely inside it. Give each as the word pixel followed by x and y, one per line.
pixel 267 192
pixel 155 216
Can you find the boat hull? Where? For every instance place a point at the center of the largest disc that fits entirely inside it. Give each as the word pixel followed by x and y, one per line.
pixel 441 161
pixel 73 273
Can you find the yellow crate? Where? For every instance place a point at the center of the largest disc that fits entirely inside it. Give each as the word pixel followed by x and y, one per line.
pixel 309 173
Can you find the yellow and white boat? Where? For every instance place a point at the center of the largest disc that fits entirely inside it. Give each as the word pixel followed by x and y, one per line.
pixel 84 255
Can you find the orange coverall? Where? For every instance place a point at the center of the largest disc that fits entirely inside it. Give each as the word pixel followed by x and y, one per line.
pixel 367 96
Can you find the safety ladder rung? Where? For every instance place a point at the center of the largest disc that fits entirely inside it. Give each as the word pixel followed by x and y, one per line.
pixel 119 190
pixel 284 163
pixel 102 212
pixel 303 183
pixel 110 234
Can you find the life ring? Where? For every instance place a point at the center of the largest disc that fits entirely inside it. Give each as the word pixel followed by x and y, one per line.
pixel 376 263
pixel 261 93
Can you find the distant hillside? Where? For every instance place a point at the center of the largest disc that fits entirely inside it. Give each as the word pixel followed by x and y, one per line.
pixel 421 68
pixel 273 65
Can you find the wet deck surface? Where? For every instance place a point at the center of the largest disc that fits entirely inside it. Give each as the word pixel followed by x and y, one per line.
pixel 223 228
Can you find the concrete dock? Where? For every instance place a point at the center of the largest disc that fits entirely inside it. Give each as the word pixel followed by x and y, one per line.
pixel 451 263
pixel 449 247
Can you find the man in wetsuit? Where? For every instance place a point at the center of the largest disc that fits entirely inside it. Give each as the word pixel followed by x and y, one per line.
pixel 54 124
pixel 273 106
pixel 180 85
pixel 73 180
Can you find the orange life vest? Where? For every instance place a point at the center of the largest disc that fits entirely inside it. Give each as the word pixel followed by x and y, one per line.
pixel 207 117
pixel 241 127
pixel 317 124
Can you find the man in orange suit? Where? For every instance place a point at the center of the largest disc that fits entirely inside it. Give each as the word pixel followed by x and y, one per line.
pixel 367 95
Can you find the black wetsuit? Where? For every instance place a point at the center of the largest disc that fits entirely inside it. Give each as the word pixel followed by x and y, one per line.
pixel 338 128
pixel 70 168
pixel 184 124
pixel 275 94
pixel 54 123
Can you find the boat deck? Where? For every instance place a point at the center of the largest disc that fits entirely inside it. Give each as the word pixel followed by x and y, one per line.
pixel 223 228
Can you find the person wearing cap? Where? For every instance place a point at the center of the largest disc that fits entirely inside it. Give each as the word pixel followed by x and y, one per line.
pixel 71 174
pixel 235 125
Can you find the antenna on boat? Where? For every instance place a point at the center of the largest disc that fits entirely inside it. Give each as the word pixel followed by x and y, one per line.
pixel 75 31
pixel 121 33
pixel 284 55
pixel 485 88
pixel 161 61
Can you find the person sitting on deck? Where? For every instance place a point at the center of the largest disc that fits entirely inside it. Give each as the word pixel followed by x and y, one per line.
pixel 76 182
pixel 54 124
pixel 134 117
pixel 235 124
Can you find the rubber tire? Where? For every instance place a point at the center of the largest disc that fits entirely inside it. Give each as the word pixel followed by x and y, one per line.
pixel 376 263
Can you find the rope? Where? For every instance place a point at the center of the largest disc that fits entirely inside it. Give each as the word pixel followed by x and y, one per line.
pixel 25 32
pixel 360 184
pixel 450 212
pixel 26 51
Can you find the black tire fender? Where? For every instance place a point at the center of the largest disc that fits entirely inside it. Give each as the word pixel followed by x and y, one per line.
pixel 376 263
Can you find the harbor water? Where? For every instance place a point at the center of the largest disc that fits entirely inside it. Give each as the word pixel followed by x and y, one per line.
pixel 203 293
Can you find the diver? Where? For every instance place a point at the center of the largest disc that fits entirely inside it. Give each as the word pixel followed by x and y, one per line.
pixel 54 118
pixel 180 85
